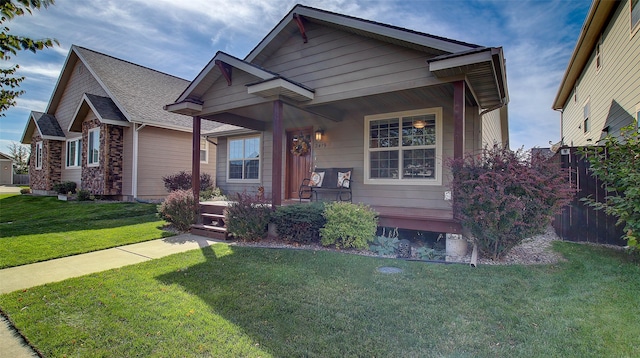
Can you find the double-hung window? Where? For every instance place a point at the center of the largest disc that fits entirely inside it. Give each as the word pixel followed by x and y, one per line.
pixel 74 153
pixel 204 150
pixel 244 159
pixel 93 147
pixel 404 148
pixel 635 16
pixel 38 155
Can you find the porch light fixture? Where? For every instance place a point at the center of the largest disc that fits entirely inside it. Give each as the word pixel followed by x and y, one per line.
pixel 319 134
pixel 419 124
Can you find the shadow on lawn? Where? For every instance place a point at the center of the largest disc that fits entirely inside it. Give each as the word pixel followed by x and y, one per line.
pixel 285 301
pixel 32 215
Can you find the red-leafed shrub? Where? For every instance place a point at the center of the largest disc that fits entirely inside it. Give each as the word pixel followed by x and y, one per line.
pixel 248 216
pixel 180 209
pixel 503 196
pixel 182 181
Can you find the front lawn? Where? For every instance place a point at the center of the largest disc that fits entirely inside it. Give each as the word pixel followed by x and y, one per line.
pixel 36 228
pixel 226 301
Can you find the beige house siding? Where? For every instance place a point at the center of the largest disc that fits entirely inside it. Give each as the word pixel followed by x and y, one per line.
pixel 613 91
pixel 80 82
pixel 491 128
pixel 163 152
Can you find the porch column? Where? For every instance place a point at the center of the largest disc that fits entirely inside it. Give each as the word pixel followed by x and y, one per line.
pixel 458 118
pixel 278 130
pixel 195 159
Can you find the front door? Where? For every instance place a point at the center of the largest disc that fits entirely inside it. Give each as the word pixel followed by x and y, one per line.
pixel 299 159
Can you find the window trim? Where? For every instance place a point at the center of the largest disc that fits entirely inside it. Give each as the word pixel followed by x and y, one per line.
pixel 598 54
pixel 634 28
pixel 78 156
pixel 39 155
pixel 586 119
pixel 90 162
pixel 437 111
pixel 260 154
pixel 638 117
pixel 206 150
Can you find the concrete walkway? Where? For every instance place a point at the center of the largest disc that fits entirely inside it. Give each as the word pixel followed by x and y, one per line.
pixel 21 277
pixel 6 189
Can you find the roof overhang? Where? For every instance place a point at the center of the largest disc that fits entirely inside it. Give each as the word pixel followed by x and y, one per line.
pixel 596 20
pixel 484 70
pixel 103 107
pixel 33 125
pixel 279 86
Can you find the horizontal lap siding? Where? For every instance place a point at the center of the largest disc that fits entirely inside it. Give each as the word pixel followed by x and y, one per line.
pixel 491 128
pixel 80 82
pixel 163 152
pixel 614 90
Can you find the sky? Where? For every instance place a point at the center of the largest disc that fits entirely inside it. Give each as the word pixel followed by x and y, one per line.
pixel 180 37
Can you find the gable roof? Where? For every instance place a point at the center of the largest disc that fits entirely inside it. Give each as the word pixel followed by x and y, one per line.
pixel 47 127
pixel 138 92
pixel 408 38
pixel 103 107
pixel 594 24
pixel 6 157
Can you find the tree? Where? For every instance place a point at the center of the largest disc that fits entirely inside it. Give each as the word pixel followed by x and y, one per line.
pixel 502 197
pixel 20 155
pixel 617 163
pixel 11 44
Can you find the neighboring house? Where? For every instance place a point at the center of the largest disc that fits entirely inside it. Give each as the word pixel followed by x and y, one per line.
pixel 104 128
pixel 391 103
pixel 6 169
pixel 600 90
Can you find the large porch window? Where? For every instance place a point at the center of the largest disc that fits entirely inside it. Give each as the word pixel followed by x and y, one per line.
pixel 404 148
pixel 244 159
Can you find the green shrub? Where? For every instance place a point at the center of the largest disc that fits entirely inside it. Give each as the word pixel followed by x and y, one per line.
pixel 180 209
pixel 65 187
pixel 84 195
pixel 212 194
pixel 25 191
pixel 384 246
pixel 299 223
pixel 427 253
pixel 248 217
pixel 617 163
pixel 348 225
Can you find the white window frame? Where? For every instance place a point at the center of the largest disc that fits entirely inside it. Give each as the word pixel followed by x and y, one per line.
pixel 586 120
pixel 91 162
pixel 634 27
pixel 244 138
pixel 203 140
pixel 638 117
pixel 39 155
pixel 77 161
pixel 437 111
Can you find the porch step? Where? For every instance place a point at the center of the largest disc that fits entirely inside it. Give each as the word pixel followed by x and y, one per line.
pixel 214 216
pixel 214 232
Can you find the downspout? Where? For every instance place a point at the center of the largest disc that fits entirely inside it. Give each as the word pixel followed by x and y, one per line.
pixel 134 164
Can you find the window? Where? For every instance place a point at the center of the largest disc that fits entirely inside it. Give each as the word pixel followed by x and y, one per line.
pixel 244 159
pixel 586 113
pixel 204 150
pixel 93 147
pixel 635 15
pixel 74 153
pixel 39 155
pixel 404 147
pixel 638 117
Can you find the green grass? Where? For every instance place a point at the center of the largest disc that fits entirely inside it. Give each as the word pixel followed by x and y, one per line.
pixel 228 301
pixel 35 228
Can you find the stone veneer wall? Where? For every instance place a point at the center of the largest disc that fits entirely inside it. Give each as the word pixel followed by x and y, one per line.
pixel 105 178
pixel 51 171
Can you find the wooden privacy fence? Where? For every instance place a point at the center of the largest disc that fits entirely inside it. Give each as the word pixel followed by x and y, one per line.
pixel 20 179
pixel 578 221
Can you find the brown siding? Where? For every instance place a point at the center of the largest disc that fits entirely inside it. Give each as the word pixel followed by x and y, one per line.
pixel 127 161
pixel 163 152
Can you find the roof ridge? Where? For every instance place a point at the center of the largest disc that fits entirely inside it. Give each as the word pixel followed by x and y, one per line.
pixel 129 62
pixel 390 26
